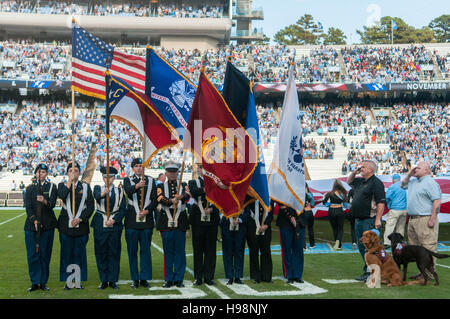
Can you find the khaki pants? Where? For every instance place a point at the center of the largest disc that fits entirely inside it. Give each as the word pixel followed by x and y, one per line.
pixel 420 234
pixel 395 223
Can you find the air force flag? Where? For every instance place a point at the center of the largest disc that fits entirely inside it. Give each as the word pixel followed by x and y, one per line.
pixel 287 173
pixel 170 91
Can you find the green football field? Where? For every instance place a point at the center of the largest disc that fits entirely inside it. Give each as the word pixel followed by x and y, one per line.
pixel 327 274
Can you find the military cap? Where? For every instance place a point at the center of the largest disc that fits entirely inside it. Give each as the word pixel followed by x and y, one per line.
pixel 112 171
pixel 136 161
pixel 70 166
pixel 171 166
pixel 41 166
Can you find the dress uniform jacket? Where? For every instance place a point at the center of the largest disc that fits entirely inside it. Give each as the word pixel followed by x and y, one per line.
pixel 65 194
pixel 107 240
pixel 174 238
pixel 39 262
pixel 48 220
pixel 233 245
pixel 74 239
pixel 165 192
pixel 134 202
pixel 139 234
pixel 260 269
pixel 204 232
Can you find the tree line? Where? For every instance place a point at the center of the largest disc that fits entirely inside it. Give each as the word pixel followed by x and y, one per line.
pixel 308 31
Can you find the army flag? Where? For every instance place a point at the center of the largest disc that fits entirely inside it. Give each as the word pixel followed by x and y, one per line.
pixel 287 172
pixel 135 108
pixel 221 144
pixel 238 94
pixel 170 91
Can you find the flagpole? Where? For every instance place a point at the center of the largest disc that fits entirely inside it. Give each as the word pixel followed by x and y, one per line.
pixel 108 134
pixel 175 207
pixel 392 31
pixel 143 174
pixel 73 152
pixel 107 176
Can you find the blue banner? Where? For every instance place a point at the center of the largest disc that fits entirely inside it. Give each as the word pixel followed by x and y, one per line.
pixel 171 91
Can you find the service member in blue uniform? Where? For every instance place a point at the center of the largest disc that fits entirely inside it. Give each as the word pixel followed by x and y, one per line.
pixel 259 236
pixel 139 223
pixel 40 199
pixel 108 231
pixel 204 219
pixel 292 238
pixel 73 223
pixel 233 230
pixel 173 225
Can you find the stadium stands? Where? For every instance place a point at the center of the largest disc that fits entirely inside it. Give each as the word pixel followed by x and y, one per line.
pixel 265 64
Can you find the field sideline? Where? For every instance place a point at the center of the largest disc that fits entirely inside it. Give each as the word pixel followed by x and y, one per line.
pixel 326 275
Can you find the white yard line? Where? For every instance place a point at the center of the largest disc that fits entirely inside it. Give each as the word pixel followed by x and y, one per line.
pixel 212 288
pixel 443 266
pixel 6 221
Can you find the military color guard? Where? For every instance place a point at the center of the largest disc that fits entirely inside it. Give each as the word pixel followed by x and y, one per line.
pixel 171 206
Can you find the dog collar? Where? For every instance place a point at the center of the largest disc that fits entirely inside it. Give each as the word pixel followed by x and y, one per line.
pixel 398 248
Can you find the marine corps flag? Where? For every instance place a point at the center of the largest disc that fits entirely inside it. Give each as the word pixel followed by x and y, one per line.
pixel 228 154
pixel 287 172
pixel 135 108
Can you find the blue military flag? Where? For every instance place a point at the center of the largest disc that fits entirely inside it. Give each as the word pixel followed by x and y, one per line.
pixel 170 91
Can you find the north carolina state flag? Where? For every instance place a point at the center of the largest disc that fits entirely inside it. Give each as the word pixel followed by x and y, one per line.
pixel 135 108
pixel 228 154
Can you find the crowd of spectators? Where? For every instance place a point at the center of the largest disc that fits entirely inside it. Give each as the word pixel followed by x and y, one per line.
pixel 324 150
pixel 323 118
pixel 261 63
pixel 385 64
pixel 142 9
pixel 418 132
pixel 34 61
pixel 444 63
pixel 42 133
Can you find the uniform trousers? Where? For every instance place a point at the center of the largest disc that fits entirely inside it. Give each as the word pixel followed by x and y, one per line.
pixel 107 248
pixel 260 255
pixel 233 248
pixel 204 239
pixel 174 246
pixel 73 251
pixel 292 252
pixel 39 263
pixel 142 239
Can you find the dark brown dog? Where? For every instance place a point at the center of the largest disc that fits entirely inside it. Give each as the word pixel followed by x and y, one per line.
pixel 404 254
pixel 375 254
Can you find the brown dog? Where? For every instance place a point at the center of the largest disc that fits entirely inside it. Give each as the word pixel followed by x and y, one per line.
pixel 376 255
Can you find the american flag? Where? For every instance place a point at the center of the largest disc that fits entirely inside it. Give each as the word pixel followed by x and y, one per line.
pixel 92 56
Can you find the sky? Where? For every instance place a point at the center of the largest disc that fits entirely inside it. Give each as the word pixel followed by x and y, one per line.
pixel 347 15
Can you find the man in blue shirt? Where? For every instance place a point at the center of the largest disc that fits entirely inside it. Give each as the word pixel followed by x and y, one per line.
pixel 396 202
pixel 424 202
